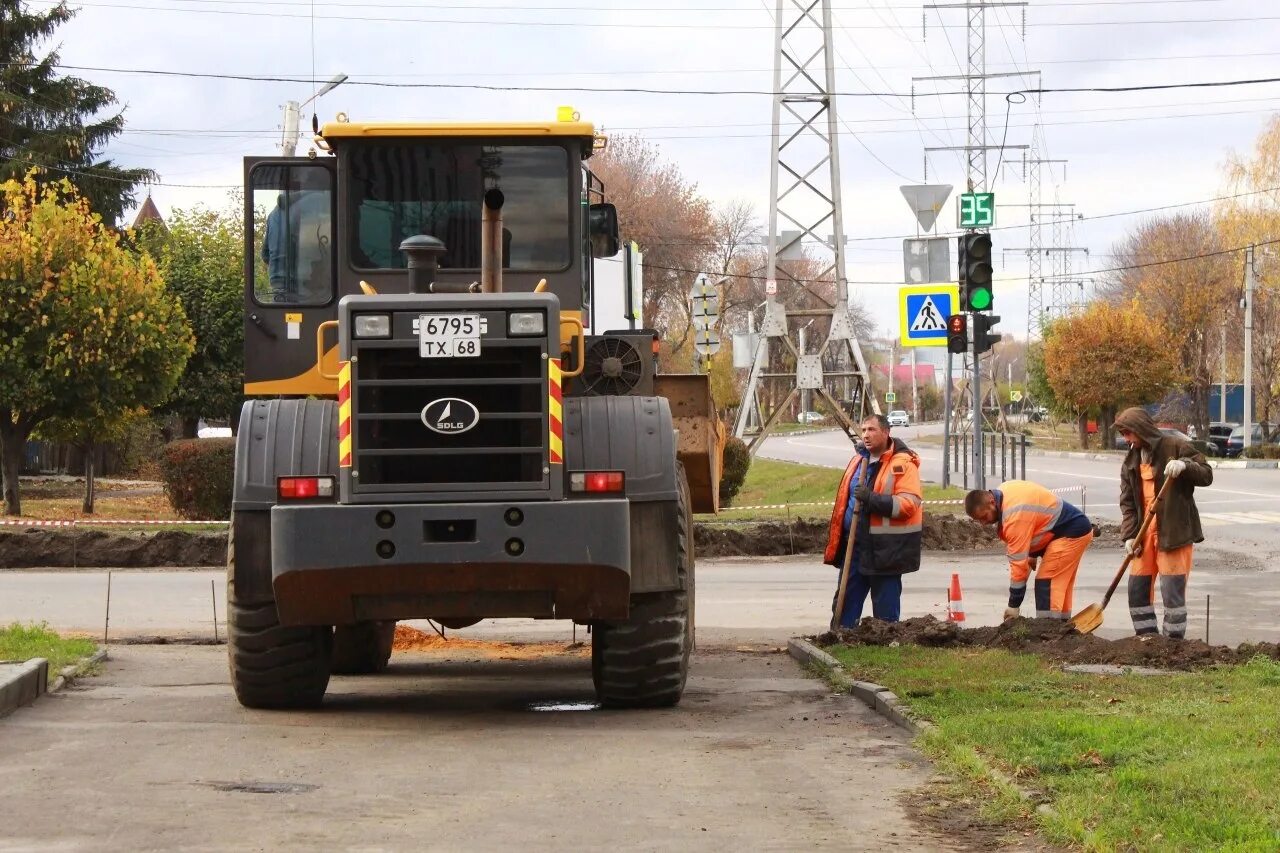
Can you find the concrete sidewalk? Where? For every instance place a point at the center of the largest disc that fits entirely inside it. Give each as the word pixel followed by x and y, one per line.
pixel 739 600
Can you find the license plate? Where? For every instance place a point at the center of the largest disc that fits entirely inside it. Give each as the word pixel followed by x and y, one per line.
pixel 449 335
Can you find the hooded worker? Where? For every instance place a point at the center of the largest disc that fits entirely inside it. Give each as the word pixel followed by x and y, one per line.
pixel 883 482
pixel 1165 550
pixel 1044 534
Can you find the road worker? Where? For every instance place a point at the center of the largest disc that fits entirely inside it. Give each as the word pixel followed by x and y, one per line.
pixel 1165 550
pixel 1043 533
pixel 883 481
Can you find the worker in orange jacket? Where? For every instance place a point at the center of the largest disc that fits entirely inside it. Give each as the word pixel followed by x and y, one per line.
pixel 1037 526
pixel 880 500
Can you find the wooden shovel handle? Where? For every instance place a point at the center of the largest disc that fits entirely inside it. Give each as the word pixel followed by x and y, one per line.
pixel 860 474
pixel 1142 532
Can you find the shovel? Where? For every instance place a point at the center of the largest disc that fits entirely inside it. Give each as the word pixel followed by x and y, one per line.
pixel 861 476
pixel 1090 619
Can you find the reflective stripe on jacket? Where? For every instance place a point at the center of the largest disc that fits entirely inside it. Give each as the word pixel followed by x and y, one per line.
pixel 889 529
pixel 1028 514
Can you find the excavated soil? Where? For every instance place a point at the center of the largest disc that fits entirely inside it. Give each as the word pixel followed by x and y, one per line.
pixel 942 532
pixel 1050 639
pixel 53 547
pixel 409 639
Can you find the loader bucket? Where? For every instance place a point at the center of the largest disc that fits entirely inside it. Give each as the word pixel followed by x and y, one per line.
pixel 701 443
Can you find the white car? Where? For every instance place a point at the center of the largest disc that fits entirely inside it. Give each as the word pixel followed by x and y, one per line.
pixel 899 418
pixel 810 418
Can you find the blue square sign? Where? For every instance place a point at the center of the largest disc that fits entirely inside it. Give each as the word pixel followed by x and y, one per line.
pixel 924 311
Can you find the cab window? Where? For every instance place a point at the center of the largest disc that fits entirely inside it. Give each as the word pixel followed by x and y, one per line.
pixel 293 234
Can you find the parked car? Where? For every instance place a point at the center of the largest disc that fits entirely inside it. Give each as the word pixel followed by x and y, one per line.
pixel 899 418
pixel 1219 432
pixel 810 418
pixel 1235 441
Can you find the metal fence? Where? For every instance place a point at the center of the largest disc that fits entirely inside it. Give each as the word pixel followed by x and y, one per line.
pixel 1004 456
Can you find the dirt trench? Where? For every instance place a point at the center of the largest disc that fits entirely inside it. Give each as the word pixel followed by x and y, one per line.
pixel 43 547
pixel 1051 639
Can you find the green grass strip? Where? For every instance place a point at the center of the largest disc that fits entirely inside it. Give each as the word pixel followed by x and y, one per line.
pixel 1186 761
pixel 24 642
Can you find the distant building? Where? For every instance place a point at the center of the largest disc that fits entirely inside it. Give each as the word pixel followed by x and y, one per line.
pixel 149 213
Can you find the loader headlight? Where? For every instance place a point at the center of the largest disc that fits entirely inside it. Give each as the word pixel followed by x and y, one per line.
pixel 373 325
pixel 526 323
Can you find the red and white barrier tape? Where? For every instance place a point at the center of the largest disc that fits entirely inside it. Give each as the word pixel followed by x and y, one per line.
pixel 77 522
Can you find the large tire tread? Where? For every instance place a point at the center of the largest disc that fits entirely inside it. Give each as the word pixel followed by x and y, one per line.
pixel 273 665
pixel 644 661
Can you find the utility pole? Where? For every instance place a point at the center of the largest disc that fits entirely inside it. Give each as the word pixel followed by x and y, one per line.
pixel 1222 393
pixel 1248 345
pixel 811 202
pixel 976 155
pixel 915 389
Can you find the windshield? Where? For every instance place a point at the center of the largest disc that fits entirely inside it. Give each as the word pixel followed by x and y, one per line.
pixel 399 189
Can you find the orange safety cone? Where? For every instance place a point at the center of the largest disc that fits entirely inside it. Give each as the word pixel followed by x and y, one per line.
pixel 955 601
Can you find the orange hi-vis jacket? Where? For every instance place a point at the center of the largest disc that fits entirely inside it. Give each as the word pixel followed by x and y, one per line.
pixel 892 523
pixel 1027 517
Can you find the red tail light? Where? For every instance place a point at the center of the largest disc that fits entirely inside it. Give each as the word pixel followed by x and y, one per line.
pixel 596 481
pixel 303 488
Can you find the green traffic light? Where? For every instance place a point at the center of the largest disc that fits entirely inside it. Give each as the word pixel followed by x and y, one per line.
pixel 980 299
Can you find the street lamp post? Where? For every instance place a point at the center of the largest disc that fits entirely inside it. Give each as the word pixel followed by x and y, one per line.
pixel 293 109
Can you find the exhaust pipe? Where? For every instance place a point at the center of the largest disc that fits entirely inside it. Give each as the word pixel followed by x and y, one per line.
pixel 491 242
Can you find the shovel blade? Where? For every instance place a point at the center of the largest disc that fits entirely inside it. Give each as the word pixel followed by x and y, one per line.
pixel 1088 620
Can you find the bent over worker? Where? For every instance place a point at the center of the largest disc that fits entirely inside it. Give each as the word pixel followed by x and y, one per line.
pixel 1165 550
pixel 1038 527
pixel 883 481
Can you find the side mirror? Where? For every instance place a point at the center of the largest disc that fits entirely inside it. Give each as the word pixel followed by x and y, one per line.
pixel 604 230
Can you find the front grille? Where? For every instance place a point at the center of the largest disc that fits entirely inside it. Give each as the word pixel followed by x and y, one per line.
pixel 395 451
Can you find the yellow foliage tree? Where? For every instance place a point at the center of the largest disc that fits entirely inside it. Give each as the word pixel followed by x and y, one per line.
pixel 1253 218
pixel 1107 357
pixel 1173 272
pixel 87 329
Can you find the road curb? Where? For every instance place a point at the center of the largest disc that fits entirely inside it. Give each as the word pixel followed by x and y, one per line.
pixel 21 683
pixel 69 673
pixel 886 703
pixel 878 698
pixel 1244 463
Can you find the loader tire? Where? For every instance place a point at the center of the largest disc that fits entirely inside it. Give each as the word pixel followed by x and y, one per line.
pixel 643 662
pixel 363 648
pixel 273 665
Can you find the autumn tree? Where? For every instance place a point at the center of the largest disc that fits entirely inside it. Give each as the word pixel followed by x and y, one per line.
pixel 1253 218
pixel 1173 272
pixel 87 433
pixel 1108 357
pixel 58 123
pixel 87 329
pixel 201 258
pixel 664 214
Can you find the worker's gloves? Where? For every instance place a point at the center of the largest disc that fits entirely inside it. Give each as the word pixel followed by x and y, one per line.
pixel 1132 548
pixel 1175 468
pixel 1011 613
pixel 863 492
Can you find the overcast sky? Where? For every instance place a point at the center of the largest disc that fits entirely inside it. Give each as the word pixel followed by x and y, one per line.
pixel 1125 151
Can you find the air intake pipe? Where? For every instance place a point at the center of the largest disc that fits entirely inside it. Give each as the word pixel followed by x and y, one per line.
pixel 491 242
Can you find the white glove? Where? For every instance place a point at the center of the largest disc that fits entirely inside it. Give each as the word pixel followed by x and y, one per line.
pixel 1132 548
pixel 1012 613
pixel 1174 468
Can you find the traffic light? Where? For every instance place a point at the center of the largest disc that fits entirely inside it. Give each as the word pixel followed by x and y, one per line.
pixel 958 334
pixel 982 337
pixel 975 272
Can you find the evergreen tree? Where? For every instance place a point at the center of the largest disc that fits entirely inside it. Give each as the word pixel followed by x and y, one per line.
pixel 53 122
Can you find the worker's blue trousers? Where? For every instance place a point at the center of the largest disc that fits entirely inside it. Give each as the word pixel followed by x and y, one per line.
pixel 886 597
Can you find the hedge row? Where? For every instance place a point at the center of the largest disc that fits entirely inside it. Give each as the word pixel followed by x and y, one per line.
pixel 198 474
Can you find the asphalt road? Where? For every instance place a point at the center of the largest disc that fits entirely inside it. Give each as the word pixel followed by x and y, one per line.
pixel 455 753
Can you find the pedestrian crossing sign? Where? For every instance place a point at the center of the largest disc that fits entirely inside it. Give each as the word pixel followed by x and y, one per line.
pixel 924 310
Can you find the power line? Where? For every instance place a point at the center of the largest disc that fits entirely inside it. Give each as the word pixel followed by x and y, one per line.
pixel 641 90
pixel 400 21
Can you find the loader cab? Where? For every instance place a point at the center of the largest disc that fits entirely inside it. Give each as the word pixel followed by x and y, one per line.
pixel 318 227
